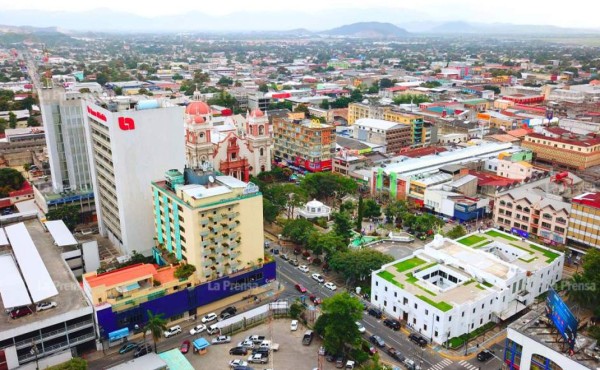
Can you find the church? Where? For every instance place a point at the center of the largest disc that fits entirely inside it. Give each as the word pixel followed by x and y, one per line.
pixel 237 147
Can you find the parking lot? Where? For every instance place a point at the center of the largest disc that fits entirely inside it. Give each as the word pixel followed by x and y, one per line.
pixel 291 354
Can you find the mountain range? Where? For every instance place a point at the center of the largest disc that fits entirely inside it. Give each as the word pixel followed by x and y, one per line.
pixel 392 22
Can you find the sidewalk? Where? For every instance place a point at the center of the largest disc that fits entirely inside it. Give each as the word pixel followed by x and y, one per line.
pixel 476 345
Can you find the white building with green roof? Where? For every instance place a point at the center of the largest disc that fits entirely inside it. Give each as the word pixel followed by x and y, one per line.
pixel 454 287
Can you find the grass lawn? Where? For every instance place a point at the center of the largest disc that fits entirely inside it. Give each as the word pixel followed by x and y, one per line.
pixel 528 260
pixel 408 264
pixel 497 234
pixel 388 276
pixel 472 239
pixel 480 287
pixel 489 285
pixel 469 282
pixel 442 306
pixel 521 248
pixel 548 254
pixel 483 244
pixel 413 280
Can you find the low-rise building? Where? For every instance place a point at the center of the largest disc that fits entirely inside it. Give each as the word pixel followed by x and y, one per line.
pixel 450 288
pixel 584 221
pixel 556 145
pixel 389 134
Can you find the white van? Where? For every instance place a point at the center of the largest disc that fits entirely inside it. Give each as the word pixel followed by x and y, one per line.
pixel 172 331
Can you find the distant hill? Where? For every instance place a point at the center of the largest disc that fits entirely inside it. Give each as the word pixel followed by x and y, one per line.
pixel 458 27
pixel 368 30
pixel 454 27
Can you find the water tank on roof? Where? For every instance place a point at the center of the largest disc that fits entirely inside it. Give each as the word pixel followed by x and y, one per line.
pixel 147 104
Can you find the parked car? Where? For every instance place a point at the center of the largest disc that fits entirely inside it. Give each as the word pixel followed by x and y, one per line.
pixel 221 339
pixel 417 339
pixel 318 278
pixel 246 343
pixel 375 312
pixel 197 329
pixel 361 328
pixel 238 351
pixel 329 285
pixel 301 288
pixel 256 339
pixel 376 339
pixel 369 348
pixel 185 347
pixel 173 330
pixel 339 362
pixel 294 325
pixel 392 324
pixel 395 354
pixel 303 268
pixel 142 350
pixel 230 310
pixel 42 306
pixel 224 316
pixel 209 317
pixel 315 300
pixel 258 359
pixel 20 312
pixel 284 257
pixel 293 262
pixel 261 350
pixel 484 355
pixel 128 347
pixel 234 363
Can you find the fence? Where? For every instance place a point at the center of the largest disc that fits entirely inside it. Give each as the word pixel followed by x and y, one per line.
pixel 254 317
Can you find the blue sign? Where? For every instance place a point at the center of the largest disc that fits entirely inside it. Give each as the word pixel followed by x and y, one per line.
pixel 521 233
pixel 118 334
pixel 549 114
pixel 562 317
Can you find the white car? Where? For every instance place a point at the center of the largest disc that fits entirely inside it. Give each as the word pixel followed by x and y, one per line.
pixel 197 329
pixel 209 317
pixel 330 285
pixel 294 325
pixel 173 330
pixel 258 359
pixel 45 306
pixel 235 363
pixel 318 278
pixel 221 339
pixel 246 343
pixel 361 328
pixel 303 268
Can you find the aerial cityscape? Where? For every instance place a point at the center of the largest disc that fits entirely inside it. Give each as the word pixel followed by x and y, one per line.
pixel 303 186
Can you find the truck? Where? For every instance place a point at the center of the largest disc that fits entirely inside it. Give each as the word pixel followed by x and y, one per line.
pixel 307 338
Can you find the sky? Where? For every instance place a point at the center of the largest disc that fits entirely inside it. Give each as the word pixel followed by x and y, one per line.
pixel 584 13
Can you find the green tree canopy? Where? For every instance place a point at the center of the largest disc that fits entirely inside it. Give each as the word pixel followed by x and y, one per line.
pixel 76 363
pixel 337 324
pixel 263 88
pixel 385 83
pixel 411 98
pixel 494 88
pixel 342 225
pixel 10 180
pixel 324 185
pixel 371 209
pixel 184 271
pixel 12 120
pixel 298 230
pixel 456 232
pixel 68 213
pixel 357 264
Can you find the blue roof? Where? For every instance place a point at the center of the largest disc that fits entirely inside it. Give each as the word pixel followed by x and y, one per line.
pixel 201 343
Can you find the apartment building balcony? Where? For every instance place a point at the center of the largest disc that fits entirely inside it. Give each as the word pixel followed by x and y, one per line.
pixel 234 235
pixel 204 222
pixel 54 334
pixel 58 347
pixel 215 218
pixel 204 233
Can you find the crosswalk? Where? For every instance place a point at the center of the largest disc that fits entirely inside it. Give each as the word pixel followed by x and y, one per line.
pixel 441 365
pixel 468 365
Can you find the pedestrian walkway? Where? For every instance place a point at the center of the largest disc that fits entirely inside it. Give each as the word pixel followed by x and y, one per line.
pixel 467 365
pixel 441 365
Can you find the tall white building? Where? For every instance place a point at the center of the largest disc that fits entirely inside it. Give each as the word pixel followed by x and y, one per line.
pixel 131 141
pixel 66 140
pixel 450 288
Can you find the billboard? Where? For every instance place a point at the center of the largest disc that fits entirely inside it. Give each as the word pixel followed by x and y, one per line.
pixel 562 317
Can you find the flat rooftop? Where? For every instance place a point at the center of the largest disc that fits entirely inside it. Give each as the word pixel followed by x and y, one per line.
pixel 535 326
pixel 70 295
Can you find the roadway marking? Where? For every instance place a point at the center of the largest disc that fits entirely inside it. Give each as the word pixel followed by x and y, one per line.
pixel 468 365
pixel 441 365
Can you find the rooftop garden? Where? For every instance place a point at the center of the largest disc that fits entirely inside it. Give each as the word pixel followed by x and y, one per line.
pixel 408 264
pixel 497 234
pixel 388 276
pixel 471 240
pixel 548 254
pixel 442 306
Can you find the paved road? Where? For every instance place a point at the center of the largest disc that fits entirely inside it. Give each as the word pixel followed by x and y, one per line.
pixel 289 275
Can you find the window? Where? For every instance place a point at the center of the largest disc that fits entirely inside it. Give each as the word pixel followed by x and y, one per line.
pixel 394 308
pixel 385 289
pixel 437 318
pixel 405 301
pixel 416 306
pixel 426 312
pixel 424 326
pixel 376 297
pixel 385 303
pixel 262 152
pixel 395 294
pixel 449 318
pixel 463 314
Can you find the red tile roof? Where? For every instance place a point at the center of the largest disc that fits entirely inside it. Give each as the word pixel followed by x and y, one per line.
pixel 420 152
pixel 488 179
pixel 579 141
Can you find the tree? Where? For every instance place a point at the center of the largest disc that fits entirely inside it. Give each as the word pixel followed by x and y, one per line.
pixel 12 120
pixel 263 88
pixel 371 209
pixel 223 99
pixel 3 125
pixel 225 81
pixel 357 264
pixel 341 102
pixel 431 84
pixel 342 225
pixel 337 324
pixel 10 180
pixel 184 271
pixel 301 108
pixel 296 310
pixel 456 232
pixel 348 207
pixel 332 243
pixel 494 88
pixel 323 185
pixel 76 363
pixel 395 210
pixel 156 325
pixel 411 99
pixel 298 230
pixel 32 122
pixel 356 95
pixel 384 83
pixel 69 214
pixel 361 211
pixel 324 104
pixel 270 211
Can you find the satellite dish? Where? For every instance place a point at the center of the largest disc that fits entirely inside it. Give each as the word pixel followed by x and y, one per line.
pixel 211 179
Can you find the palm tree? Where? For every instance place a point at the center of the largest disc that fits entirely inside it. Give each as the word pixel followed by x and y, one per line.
pixel 156 325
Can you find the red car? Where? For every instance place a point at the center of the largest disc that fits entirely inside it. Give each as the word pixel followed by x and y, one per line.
pixel 300 288
pixel 185 347
pixel 20 312
pixel 315 300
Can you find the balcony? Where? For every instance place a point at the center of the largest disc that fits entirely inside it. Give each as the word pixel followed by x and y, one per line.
pixel 204 233
pixel 56 348
pixel 204 222
pixel 55 333
pixel 233 214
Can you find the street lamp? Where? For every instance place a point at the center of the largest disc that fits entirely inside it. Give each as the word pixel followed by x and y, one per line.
pixel 35 351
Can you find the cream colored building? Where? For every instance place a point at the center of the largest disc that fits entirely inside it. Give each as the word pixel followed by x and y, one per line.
pixel 212 222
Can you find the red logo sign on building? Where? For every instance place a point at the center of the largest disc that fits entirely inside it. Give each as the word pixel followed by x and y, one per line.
pixel 96 114
pixel 126 123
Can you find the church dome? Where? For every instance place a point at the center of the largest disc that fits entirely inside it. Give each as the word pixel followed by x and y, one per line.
pixel 199 120
pixel 257 113
pixel 197 108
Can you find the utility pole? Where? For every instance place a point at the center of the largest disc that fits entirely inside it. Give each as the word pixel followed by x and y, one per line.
pixel 35 351
pixel 467 341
